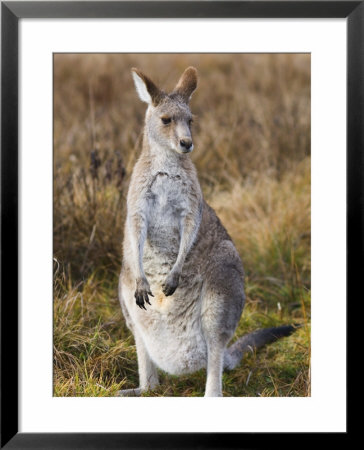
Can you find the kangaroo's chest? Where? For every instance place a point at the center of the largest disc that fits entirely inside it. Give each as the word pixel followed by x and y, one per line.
pixel 167 195
pixel 167 199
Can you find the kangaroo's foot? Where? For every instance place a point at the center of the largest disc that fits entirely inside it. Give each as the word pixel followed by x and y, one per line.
pixel 137 392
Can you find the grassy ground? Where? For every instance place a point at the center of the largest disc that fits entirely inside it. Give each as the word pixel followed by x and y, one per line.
pixel 252 152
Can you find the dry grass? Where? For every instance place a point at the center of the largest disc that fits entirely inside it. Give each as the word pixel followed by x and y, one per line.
pixel 252 139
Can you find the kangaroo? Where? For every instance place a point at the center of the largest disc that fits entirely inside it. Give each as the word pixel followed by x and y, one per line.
pixel 181 286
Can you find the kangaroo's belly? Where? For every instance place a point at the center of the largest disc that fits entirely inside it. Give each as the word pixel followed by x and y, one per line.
pixel 172 329
pixel 171 326
pixel 174 336
pixel 176 349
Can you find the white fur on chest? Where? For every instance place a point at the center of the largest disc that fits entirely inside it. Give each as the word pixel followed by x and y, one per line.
pixel 167 201
pixel 167 193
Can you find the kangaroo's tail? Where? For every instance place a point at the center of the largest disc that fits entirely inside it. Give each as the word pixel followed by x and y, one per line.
pixel 252 341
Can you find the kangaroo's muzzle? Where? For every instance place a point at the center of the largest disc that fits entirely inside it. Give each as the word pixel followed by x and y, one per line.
pixel 186 145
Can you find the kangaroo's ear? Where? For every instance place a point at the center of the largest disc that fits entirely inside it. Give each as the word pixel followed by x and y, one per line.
pixel 187 84
pixel 146 89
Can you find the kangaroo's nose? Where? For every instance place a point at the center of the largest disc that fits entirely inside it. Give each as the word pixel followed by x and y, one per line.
pixel 186 143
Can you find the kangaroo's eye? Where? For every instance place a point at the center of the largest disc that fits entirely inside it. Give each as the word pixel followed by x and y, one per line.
pixel 166 120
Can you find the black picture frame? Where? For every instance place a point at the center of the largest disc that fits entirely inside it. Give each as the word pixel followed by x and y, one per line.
pixel 11 12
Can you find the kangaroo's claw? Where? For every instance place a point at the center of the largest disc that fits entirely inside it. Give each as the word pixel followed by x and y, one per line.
pixel 139 299
pixel 141 293
pixel 146 298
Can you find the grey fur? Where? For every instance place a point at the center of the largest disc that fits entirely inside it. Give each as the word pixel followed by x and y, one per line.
pixel 182 280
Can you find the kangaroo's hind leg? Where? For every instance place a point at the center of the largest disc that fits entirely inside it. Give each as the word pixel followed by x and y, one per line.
pixel 223 301
pixel 215 356
pixel 219 326
pixel 148 376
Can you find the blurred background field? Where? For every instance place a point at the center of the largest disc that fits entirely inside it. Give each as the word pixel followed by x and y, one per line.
pixel 252 153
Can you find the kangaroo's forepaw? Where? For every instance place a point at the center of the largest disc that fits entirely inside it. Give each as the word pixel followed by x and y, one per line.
pixel 171 284
pixel 142 292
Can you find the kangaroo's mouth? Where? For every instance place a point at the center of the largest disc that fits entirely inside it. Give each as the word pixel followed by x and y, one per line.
pixel 182 150
pixel 185 150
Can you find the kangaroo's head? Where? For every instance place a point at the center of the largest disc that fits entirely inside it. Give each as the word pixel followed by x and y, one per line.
pixel 168 118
